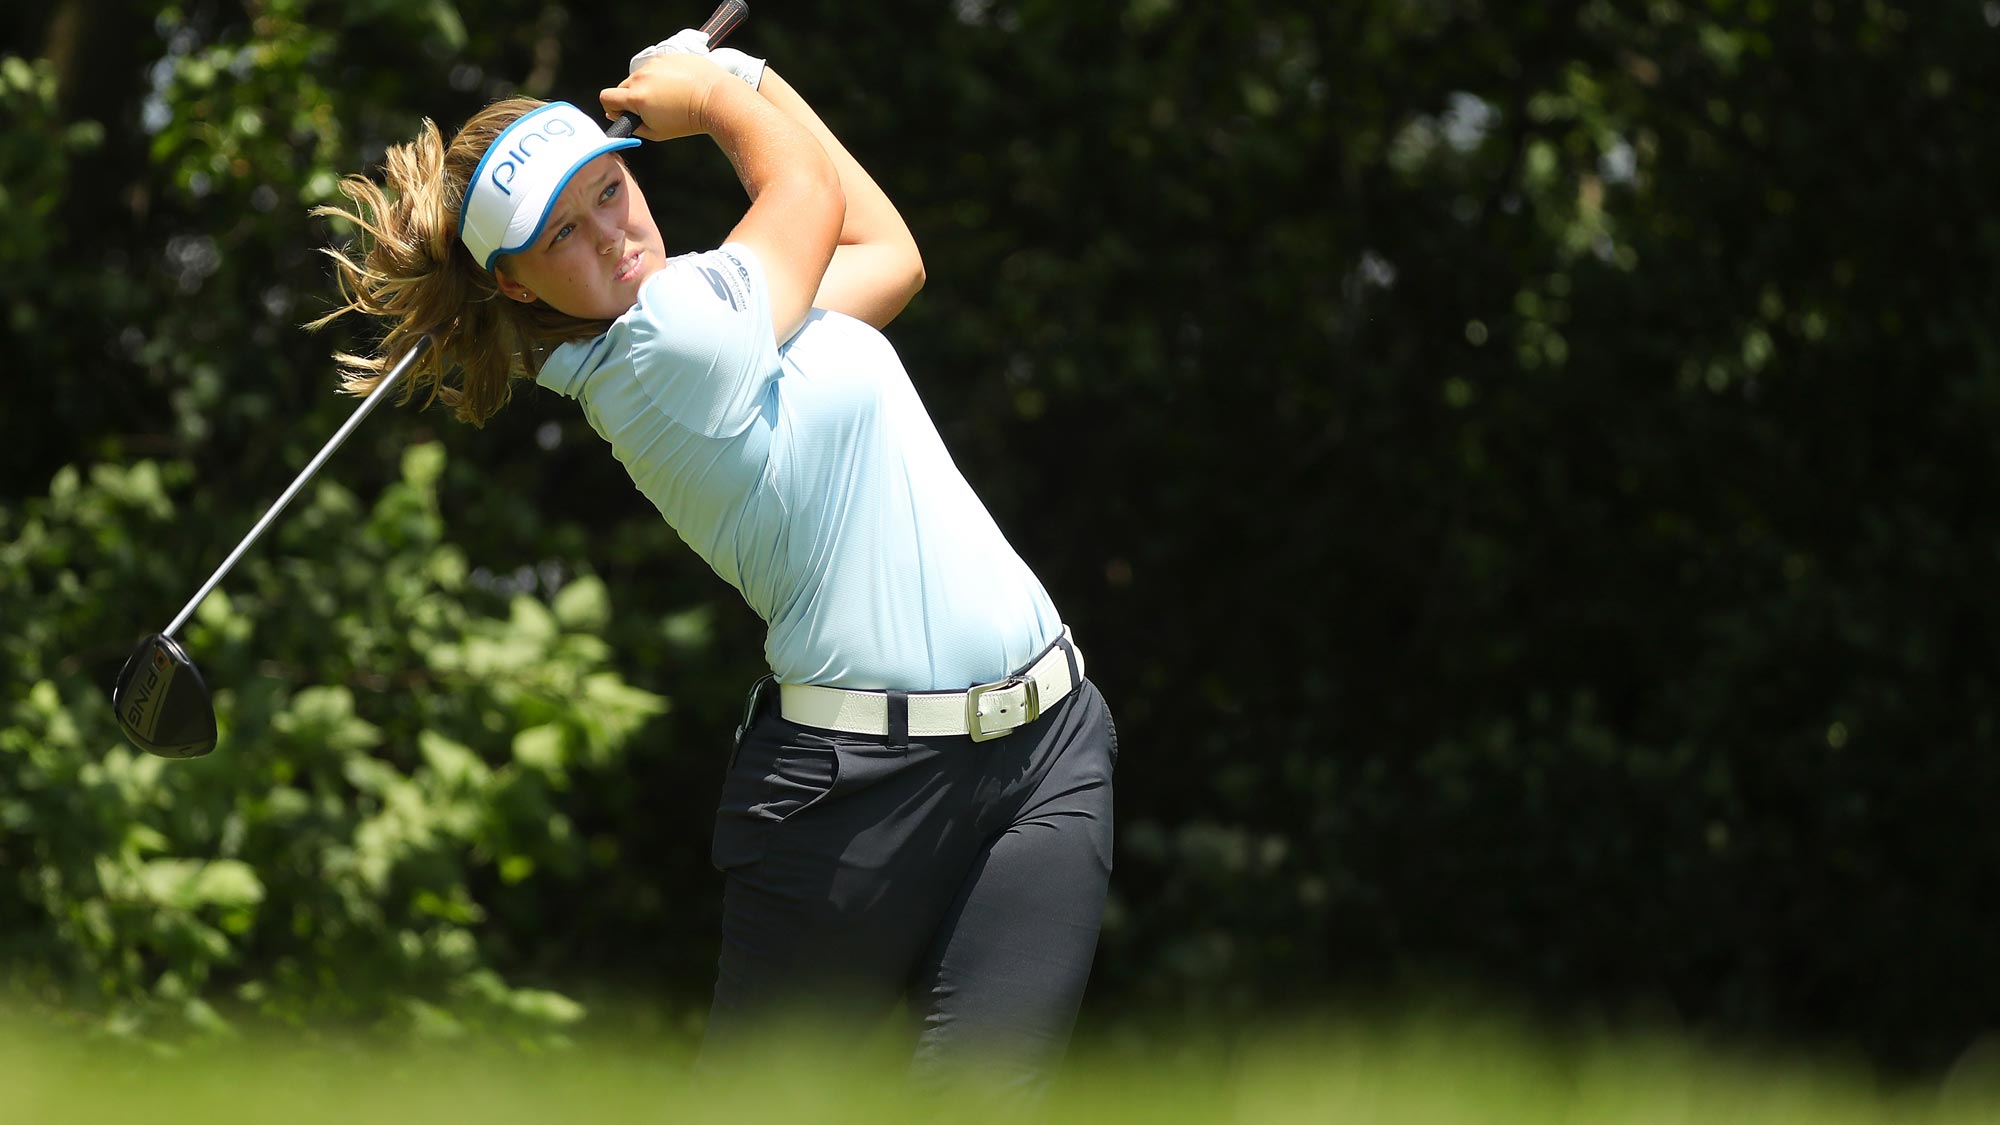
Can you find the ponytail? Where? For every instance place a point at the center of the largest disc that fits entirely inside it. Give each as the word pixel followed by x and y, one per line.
pixel 413 271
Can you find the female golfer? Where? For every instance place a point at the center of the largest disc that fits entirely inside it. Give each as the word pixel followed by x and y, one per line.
pixel 919 802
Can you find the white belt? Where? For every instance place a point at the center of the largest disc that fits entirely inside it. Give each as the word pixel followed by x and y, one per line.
pixel 983 711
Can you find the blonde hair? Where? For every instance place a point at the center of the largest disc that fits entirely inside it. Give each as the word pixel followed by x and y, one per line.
pixel 413 271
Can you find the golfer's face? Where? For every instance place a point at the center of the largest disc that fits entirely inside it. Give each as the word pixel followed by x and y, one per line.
pixel 599 243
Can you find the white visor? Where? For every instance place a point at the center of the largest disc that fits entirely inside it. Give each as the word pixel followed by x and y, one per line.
pixel 523 172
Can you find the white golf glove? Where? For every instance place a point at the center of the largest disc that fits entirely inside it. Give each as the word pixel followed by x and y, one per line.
pixel 691 41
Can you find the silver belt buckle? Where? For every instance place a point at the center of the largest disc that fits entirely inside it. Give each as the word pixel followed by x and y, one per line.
pixel 1031 707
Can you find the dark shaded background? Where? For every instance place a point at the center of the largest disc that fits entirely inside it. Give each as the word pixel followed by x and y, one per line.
pixel 1523 475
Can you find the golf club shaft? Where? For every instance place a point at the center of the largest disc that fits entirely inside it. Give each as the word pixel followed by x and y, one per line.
pixel 394 376
pixel 720 23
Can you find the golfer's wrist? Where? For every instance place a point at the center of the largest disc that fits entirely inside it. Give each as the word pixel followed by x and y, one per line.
pixel 727 107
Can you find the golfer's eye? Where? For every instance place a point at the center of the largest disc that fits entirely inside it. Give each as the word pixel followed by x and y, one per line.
pixel 610 190
pixel 562 233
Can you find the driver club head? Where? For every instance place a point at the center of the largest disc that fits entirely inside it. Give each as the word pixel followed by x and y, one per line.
pixel 162 702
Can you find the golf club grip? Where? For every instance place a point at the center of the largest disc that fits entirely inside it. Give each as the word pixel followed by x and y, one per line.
pixel 726 18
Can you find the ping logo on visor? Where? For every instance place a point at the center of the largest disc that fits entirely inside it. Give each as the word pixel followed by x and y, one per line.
pixel 523 172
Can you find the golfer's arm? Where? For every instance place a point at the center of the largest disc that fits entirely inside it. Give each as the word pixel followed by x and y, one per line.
pixel 876 268
pixel 796 203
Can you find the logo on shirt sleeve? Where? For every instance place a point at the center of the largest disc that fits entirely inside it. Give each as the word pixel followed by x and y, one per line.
pixel 720 284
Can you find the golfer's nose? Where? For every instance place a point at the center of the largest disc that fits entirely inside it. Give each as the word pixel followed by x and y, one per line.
pixel 609 235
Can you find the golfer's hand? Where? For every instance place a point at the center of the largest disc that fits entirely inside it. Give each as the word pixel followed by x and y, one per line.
pixel 670 94
pixel 692 41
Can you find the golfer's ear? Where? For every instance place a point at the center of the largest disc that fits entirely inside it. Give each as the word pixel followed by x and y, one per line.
pixel 509 288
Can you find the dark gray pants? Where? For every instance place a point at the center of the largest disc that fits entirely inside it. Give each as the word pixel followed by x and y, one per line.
pixel 967 878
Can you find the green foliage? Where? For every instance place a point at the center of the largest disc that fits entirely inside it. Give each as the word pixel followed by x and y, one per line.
pixel 326 862
pixel 35 153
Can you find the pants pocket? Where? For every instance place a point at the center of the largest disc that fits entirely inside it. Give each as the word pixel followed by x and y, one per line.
pixel 778 773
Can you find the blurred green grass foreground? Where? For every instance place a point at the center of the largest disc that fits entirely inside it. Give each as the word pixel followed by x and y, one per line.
pixel 1436 1073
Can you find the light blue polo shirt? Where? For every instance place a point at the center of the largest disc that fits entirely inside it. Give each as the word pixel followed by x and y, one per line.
pixel 811 478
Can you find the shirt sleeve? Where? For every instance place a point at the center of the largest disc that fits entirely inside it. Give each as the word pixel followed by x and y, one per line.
pixel 702 342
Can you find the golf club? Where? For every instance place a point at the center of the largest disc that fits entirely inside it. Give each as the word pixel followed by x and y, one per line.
pixel 160 698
